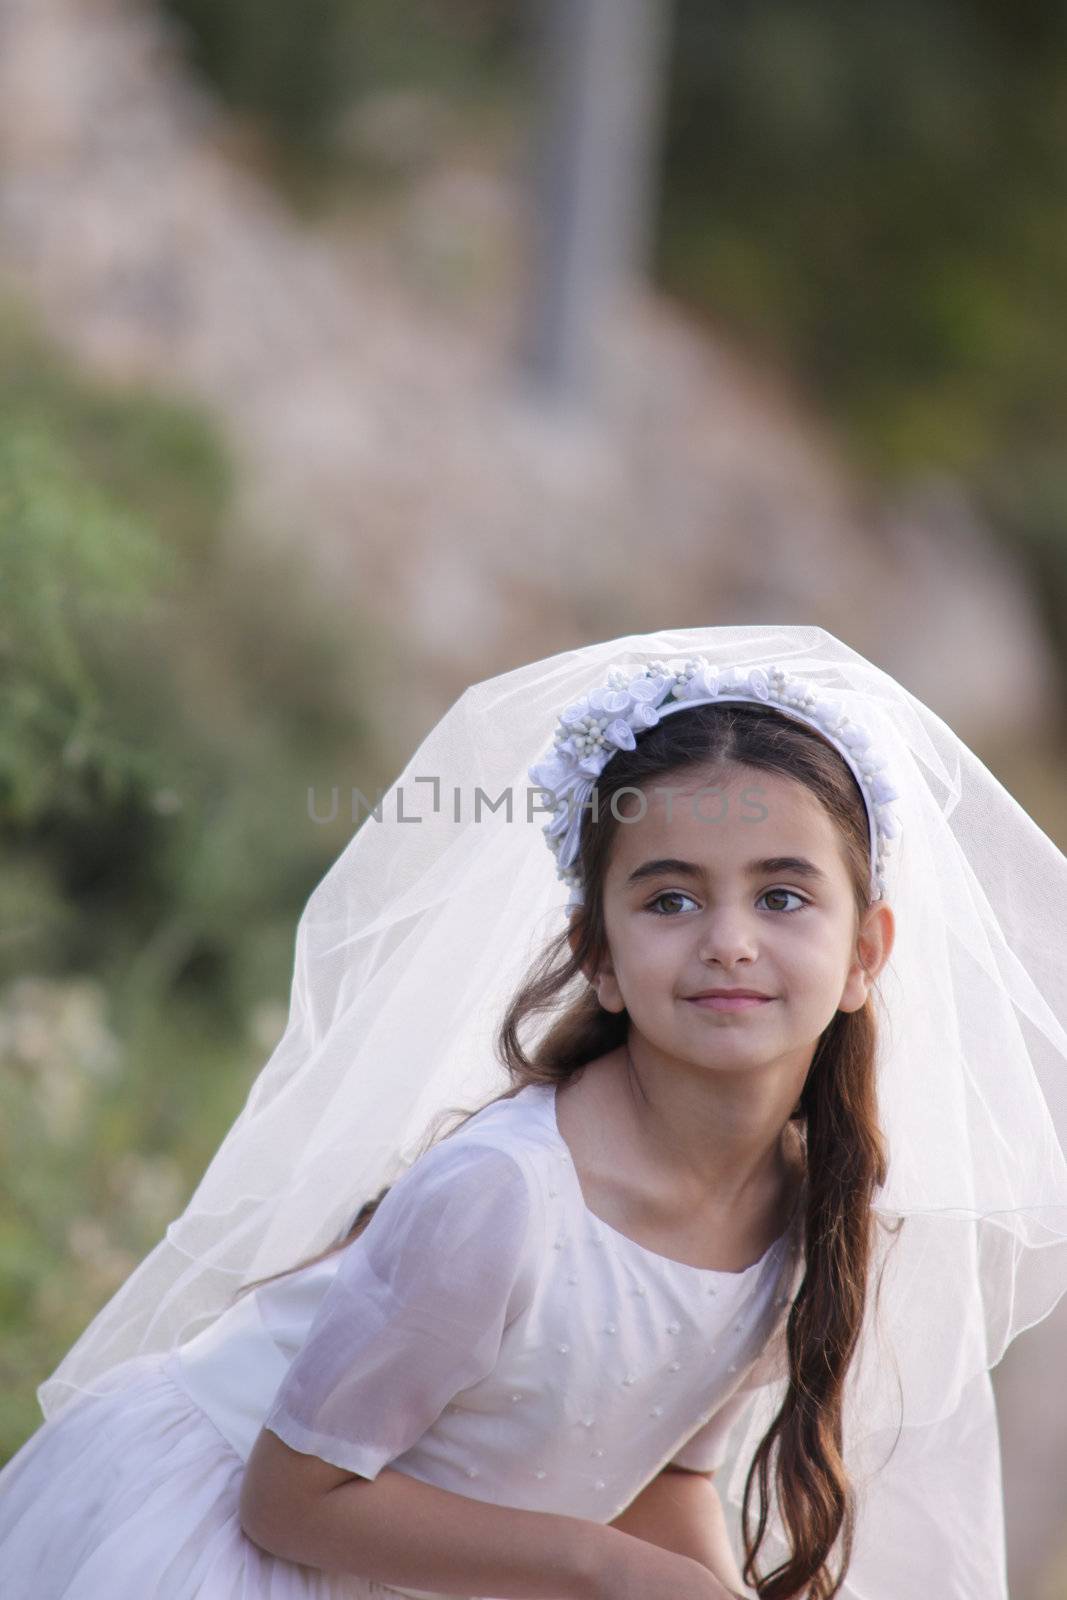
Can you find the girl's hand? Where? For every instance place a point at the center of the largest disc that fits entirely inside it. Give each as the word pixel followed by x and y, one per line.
pixel 637 1570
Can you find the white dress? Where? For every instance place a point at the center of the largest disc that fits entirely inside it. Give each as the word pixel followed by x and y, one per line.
pixel 486 1333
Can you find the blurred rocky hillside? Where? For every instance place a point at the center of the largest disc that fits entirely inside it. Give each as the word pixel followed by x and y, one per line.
pixel 363 370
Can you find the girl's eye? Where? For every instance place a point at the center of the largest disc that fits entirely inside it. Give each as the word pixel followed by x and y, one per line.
pixel 677 894
pixel 787 909
pixel 668 894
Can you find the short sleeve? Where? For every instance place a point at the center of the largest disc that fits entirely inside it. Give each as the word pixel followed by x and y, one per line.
pixel 705 1450
pixel 416 1311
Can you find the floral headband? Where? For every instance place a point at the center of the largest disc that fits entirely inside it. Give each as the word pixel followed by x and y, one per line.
pixel 609 718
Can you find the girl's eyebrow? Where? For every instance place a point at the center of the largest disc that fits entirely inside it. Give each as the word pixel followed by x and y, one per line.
pixel 798 866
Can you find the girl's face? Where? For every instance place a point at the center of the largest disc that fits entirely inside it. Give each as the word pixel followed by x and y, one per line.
pixel 732 879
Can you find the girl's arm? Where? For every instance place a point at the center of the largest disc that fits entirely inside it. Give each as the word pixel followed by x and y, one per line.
pixel 396 1529
pixel 681 1511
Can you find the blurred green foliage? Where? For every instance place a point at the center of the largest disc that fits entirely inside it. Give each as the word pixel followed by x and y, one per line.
pixel 873 196
pixel 297 69
pixel 170 698
pixel 169 702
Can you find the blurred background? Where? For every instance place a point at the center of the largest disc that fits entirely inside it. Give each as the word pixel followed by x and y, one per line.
pixel 354 351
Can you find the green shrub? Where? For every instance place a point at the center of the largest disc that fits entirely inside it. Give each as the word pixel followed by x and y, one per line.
pixel 170 696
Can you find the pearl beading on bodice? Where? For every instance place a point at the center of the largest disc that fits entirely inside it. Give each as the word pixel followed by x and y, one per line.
pixel 734 1290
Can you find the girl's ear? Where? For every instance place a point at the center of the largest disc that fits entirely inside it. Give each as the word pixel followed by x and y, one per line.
pixel 607 989
pixel 602 980
pixel 874 945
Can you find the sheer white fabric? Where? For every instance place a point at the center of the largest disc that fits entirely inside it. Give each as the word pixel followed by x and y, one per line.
pixel 132 1493
pixel 489 1334
pixel 706 1450
pixel 487 1331
pixel 410 948
pixel 416 1310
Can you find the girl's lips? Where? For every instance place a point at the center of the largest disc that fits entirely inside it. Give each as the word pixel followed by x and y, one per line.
pixel 723 1002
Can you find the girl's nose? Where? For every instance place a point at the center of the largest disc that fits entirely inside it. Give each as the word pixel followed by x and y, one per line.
pixel 727 936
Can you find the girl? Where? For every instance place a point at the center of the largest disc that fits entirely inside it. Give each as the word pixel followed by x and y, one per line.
pixel 777 1177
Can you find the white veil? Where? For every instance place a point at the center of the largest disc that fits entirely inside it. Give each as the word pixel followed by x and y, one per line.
pixel 409 949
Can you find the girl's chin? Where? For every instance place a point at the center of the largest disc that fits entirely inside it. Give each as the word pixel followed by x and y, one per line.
pixel 716 1049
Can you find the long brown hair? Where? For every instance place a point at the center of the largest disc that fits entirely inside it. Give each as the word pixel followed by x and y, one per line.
pixel 836 1117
